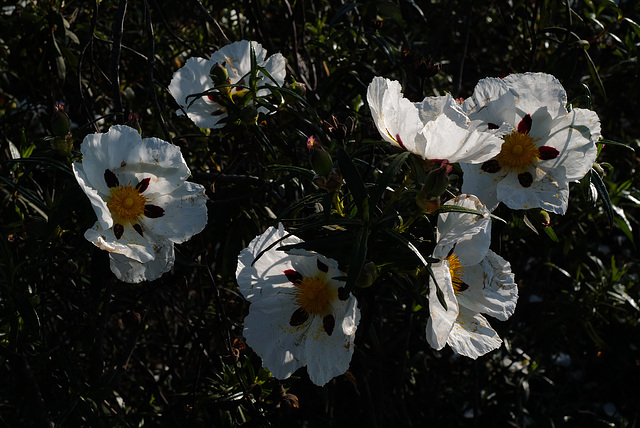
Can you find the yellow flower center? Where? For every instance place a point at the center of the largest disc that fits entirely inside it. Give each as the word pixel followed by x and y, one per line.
pixel 126 204
pixel 455 270
pixel 314 295
pixel 518 150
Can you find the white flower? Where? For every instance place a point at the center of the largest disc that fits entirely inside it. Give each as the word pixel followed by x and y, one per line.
pixel 474 281
pixel 548 147
pixel 194 78
pixel 144 205
pixel 296 317
pixel 435 129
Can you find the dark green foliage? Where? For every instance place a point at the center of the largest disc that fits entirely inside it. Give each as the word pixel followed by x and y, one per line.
pixel 80 348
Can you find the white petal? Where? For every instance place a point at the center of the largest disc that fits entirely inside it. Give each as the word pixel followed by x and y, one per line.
pixel 441 320
pixel 268 333
pixel 472 336
pixel 535 90
pixel 97 203
pixel 123 151
pixel 276 65
pixel 574 135
pixel 130 244
pixel 236 58
pixel 260 268
pixel 491 102
pixel 492 288
pixel 482 184
pixel 133 271
pixel 396 118
pixel 193 78
pixel 329 356
pixel 543 193
pixel 470 234
pixel 185 213
pixel 449 134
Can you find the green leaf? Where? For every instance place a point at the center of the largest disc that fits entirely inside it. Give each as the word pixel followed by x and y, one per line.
pixel 346 8
pixel 551 234
pixel 352 177
pixel 387 177
pixel 596 180
pixel 615 143
pixel 357 259
pixel 457 209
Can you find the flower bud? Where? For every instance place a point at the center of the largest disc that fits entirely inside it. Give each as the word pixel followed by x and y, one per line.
pixel 426 203
pixel 60 123
pixel 331 183
pixel 219 74
pixel 249 115
pixel 134 122
pixel 319 158
pixel 63 145
pixel 368 275
pixel 437 181
pixel 539 217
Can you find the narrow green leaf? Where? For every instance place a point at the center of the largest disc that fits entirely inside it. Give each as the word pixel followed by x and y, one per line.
pixel 387 177
pixel 551 234
pixel 615 143
pixel 357 259
pixel 346 8
pixel 604 194
pixel 352 177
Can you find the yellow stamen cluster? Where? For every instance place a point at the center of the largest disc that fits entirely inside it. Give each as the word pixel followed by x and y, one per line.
pixel 455 270
pixel 126 204
pixel 314 295
pixel 518 150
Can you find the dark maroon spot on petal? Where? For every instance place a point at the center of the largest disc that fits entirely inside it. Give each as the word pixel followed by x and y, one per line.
pixel 328 323
pixel 461 286
pixel 322 267
pixel 400 141
pixel 218 112
pixel 491 166
pixel 118 230
pixel 525 179
pixel 293 276
pixel 298 317
pixel 525 125
pixel 216 98
pixel 548 152
pixel 492 126
pixel 153 211
pixel 142 186
pixel 138 228
pixel 110 178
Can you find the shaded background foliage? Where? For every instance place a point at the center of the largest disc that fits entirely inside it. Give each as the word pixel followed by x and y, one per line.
pixel 79 348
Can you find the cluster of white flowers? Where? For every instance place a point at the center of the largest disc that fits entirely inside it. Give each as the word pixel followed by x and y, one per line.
pixel 513 138
pixel 516 143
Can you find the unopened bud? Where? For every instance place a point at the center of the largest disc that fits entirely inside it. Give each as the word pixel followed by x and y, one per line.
pixel 368 275
pixel 319 158
pixel 437 181
pixel 427 204
pixel 134 122
pixel 332 182
pixel 249 115
pixel 60 123
pixel 63 145
pixel 539 217
pixel 219 74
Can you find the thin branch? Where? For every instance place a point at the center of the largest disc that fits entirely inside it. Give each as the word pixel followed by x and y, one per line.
pixel 211 19
pixel 89 44
pixel 117 28
pixel 150 62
